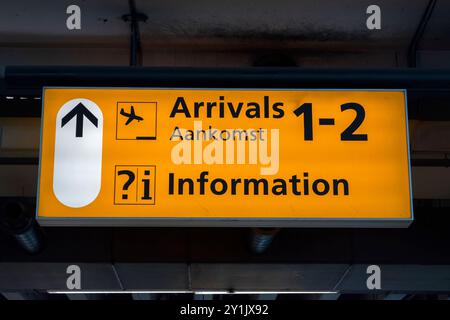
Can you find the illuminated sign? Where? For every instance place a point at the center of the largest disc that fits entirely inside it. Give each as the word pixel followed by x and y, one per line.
pixel 215 155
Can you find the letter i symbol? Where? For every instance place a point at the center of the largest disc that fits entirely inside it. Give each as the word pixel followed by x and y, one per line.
pixel 146 186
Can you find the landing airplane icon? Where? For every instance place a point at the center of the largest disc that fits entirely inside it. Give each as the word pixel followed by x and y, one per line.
pixel 131 116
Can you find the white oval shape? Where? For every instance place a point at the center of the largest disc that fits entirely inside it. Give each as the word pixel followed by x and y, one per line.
pixel 77 170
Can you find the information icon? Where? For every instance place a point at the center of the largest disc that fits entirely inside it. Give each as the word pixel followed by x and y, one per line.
pixel 134 184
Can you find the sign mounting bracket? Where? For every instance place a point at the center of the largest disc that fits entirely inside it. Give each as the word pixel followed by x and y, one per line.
pixel 134 17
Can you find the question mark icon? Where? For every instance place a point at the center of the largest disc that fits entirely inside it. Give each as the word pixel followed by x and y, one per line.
pixel 127 184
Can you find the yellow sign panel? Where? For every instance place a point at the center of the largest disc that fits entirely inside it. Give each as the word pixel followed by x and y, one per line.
pixel 224 154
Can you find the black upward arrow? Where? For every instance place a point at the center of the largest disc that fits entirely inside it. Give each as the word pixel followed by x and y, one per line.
pixel 79 111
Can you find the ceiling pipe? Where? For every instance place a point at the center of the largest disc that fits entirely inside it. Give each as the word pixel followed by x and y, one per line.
pixel 412 50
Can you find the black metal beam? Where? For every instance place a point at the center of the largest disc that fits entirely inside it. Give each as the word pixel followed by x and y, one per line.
pixel 19 161
pixel 33 78
pixel 430 163
pixel 426 241
pixel 428 90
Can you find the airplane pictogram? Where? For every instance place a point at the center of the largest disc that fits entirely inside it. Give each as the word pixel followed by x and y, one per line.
pixel 142 129
pixel 131 116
